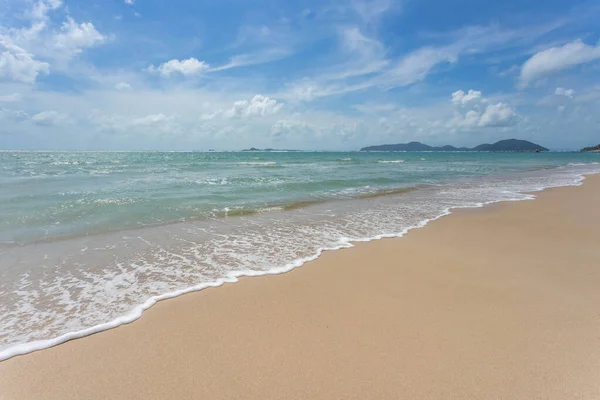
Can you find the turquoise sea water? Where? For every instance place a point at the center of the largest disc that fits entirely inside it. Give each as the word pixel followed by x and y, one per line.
pixel 90 239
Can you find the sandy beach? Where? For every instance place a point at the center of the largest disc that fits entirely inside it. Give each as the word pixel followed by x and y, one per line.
pixel 501 302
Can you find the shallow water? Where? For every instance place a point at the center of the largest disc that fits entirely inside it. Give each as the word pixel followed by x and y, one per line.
pixel 89 240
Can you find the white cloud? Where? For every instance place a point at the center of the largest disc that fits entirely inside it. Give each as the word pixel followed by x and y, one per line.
pixel 367 11
pixel 496 115
pixel 556 59
pixel 188 67
pixel 130 2
pixel 41 9
pixel 49 118
pixel 259 105
pixel 376 71
pixel 417 65
pixel 362 60
pixel 366 54
pixel 304 90
pixel 380 71
pixel 260 57
pixel 123 86
pixel 19 65
pixel 211 109
pixel 354 41
pixel 27 51
pixel 493 116
pixel 461 98
pixel 481 114
pixel 564 92
pixel 75 37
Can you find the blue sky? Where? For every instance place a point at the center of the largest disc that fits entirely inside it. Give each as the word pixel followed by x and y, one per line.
pixel 339 75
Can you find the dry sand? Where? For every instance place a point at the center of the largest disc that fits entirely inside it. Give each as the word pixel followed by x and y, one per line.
pixel 497 303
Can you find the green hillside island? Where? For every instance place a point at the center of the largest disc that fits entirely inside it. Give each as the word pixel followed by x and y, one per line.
pixel 508 145
pixel 592 149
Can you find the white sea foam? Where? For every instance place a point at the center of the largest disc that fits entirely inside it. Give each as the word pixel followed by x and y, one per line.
pixel 65 163
pixel 213 181
pixel 270 209
pixel 390 161
pixel 258 163
pixel 172 258
pixel 118 201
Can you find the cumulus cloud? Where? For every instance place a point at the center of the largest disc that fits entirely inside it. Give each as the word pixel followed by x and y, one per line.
pixel 259 105
pixel 496 115
pixel 49 118
pixel 26 52
pixel 19 65
pixel 189 67
pixel 74 37
pixel 556 59
pixel 481 114
pixel 461 98
pixel 564 92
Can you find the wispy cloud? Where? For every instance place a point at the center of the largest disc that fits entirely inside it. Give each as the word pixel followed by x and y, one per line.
pixel 379 70
pixel 261 57
pixel 556 59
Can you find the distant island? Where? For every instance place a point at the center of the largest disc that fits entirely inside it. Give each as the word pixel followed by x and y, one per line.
pixel 508 145
pixel 591 149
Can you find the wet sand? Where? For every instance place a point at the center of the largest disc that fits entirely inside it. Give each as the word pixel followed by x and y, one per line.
pixel 495 303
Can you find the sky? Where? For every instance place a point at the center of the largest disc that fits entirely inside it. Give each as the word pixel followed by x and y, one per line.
pixel 328 74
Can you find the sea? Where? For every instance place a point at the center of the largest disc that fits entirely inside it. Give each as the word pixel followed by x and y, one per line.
pixel 89 240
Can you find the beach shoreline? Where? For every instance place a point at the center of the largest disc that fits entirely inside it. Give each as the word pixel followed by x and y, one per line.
pixel 130 316
pixel 246 340
pixel 94 279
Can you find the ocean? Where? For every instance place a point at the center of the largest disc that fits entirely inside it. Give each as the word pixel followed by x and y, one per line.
pixel 89 240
